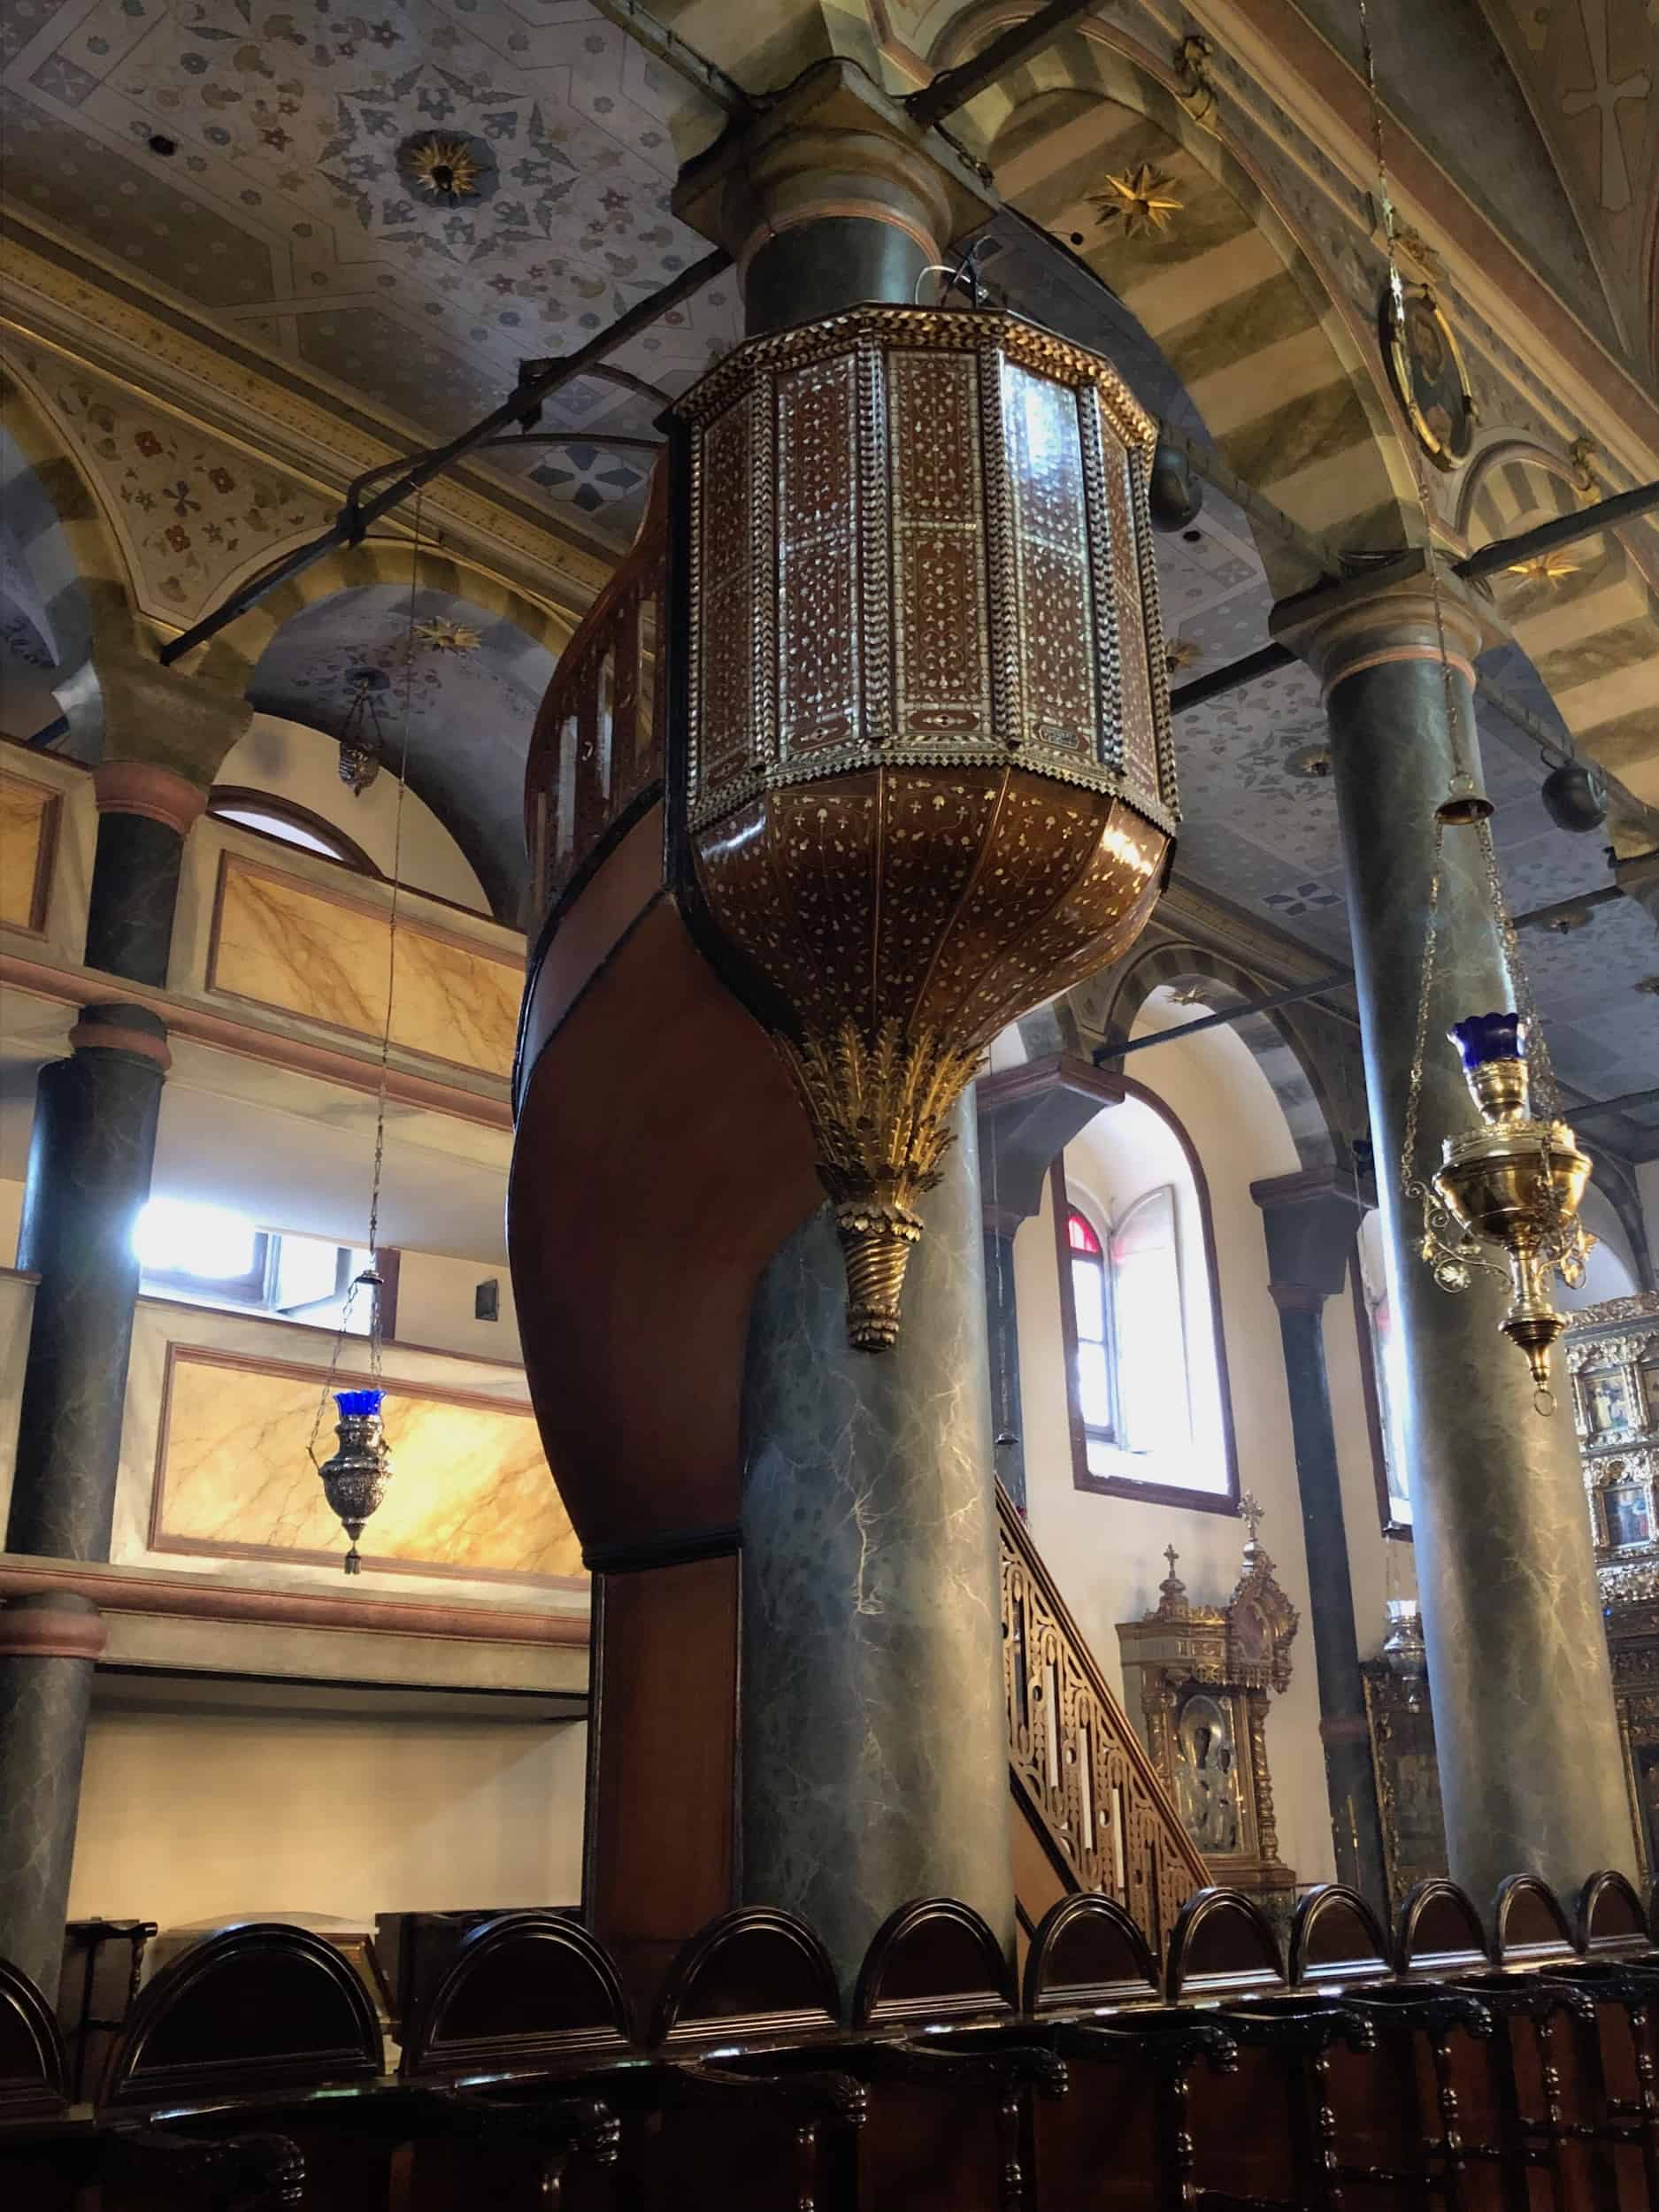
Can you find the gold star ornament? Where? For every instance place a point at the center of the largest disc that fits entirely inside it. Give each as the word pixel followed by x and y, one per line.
pixel 1545 568
pixel 439 635
pixel 446 167
pixel 1140 201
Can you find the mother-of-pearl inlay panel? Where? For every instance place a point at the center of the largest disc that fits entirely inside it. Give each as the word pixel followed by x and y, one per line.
pixel 470 1489
pixel 28 813
pixel 280 943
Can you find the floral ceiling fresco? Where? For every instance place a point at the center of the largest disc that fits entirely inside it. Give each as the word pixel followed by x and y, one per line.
pixel 272 164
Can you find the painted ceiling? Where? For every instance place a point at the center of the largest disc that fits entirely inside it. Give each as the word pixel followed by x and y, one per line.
pixel 290 211
pixel 290 207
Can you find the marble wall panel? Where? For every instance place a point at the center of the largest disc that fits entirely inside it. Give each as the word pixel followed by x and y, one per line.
pixel 471 1492
pixel 28 823
pixel 278 941
pixel 17 1309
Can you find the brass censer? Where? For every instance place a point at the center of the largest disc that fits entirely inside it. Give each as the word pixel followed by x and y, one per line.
pixel 1515 1183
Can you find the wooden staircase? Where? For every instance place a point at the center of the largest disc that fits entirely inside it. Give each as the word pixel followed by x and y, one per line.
pixel 632 1052
pixel 1090 1811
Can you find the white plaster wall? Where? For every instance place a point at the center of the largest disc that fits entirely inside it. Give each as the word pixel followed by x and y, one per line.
pixel 10 1220
pixel 291 762
pixel 17 1309
pixel 1610 1271
pixel 187 1815
pixel 1105 1552
pixel 1379 1567
pixel 435 1299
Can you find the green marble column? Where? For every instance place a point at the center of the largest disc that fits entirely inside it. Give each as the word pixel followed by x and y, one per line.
pixel 874 1748
pixel 874 1751
pixel 89 1173
pixel 1310 1219
pixel 1530 1771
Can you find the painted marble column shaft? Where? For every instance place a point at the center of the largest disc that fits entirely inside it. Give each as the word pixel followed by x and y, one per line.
pixel 93 1146
pixel 144 815
pixel 1310 1220
pixel 89 1173
pixel 874 1748
pixel 1530 1771
pixel 48 1649
pixel 1002 1325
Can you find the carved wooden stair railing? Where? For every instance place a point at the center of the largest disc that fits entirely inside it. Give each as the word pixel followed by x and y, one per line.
pixel 1077 1768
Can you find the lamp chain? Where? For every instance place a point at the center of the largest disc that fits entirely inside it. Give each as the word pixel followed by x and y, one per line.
pixel 370 1277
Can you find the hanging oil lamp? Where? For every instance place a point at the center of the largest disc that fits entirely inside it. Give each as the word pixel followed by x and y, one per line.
pixel 355 1479
pixel 1513 1182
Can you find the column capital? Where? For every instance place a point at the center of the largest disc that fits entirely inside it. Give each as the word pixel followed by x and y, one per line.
pixel 122 1025
pixel 55 1626
pixel 1310 1219
pixel 141 787
pixel 1384 616
pixel 832 144
pixel 127 711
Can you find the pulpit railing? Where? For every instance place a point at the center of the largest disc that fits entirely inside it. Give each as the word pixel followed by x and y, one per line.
pixel 596 759
pixel 1077 1763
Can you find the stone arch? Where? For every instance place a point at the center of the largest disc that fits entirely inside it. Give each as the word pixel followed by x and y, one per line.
pixel 56 539
pixel 1292 1068
pixel 455 715
pixel 1230 293
pixel 231 658
pixel 1587 618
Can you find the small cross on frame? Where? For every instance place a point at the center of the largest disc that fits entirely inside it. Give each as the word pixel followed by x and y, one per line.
pixel 1172 1555
pixel 1249 1511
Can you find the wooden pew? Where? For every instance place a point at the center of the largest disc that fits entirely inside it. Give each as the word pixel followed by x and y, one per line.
pixel 514 2045
pixel 1262 2132
pixel 1604 2161
pixel 951 2069
pixel 1396 2136
pixel 757 2114
pixel 1617 1965
pixel 238 2037
pixel 1118 2140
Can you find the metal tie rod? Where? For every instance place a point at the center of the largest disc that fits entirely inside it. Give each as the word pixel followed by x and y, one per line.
pixel 1339 980
pixel 1607 514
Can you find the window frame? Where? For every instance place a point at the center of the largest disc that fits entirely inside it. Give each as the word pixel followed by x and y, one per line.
pixel 346 852
pixel 1068 1257
pixel 1370 1390
pixel 1083 1477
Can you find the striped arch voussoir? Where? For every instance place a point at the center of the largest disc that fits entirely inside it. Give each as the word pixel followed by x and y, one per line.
pixel 63 534
pixel 1587 617
pixel 1230 291
pixel 231 658
pixel 1284 1057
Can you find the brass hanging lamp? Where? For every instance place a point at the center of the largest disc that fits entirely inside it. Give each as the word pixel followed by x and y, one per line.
pixel 925 780
pixel 356 1477
pixel 1513 1184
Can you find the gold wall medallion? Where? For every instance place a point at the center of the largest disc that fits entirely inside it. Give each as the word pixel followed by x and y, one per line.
pixel 927 780
pixel 1425 367
pixel 1545 568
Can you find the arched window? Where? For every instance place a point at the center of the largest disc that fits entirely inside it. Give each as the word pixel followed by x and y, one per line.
pixel 1139 1314
pixel 1093 1349
pixel 289 824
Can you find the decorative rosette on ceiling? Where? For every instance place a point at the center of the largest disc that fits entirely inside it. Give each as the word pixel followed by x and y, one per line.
pixel 925 779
